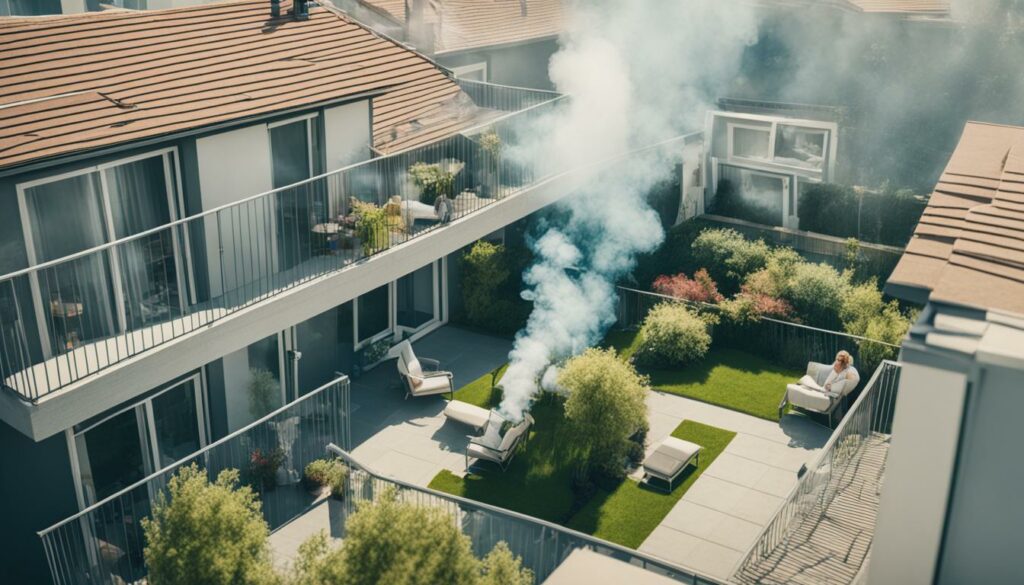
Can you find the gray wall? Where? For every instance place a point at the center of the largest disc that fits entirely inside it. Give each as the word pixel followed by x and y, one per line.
pixel 523 65
pixel 36 491
pixel 984 533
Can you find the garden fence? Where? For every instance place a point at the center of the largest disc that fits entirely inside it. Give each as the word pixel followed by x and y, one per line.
pixel 789 344
pixel 104 543
pixel 543 546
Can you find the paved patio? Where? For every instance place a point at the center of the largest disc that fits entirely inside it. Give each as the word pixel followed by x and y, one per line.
pixel 708 530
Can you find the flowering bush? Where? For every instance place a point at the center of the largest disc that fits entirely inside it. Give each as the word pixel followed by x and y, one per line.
pixel 701 288
pixel 263 466
pixel 672 335
pixel 749 306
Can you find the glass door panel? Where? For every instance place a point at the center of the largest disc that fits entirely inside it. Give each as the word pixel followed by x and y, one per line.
pixel 416 306
pixel 176 424
pixel 293 147
pixel 138 195
pixel 112 455
pixel 65 217
pixel 372 317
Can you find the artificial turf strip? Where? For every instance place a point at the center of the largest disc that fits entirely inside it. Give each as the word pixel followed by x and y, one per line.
pixel 481 391
pixel 538 482
pixel 632 511
pixel 729 378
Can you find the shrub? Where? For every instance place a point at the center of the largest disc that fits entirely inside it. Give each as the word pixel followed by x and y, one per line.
pixel 816 292
pixel 865 313
pixel 207 533
pixel 372 227
pixel 501 567
pixel 432 181
pixel 672 335
pixel 729 257
pixel 264 392
pixel 747 307
pixel 701 288
pixel 490 292
pixel 673 256
pixel 606 405
pixel 888 216
pixel 399 543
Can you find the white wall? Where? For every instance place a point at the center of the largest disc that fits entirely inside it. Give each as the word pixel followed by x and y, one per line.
pixel 918 474
pixel 347 134
pixel 236 165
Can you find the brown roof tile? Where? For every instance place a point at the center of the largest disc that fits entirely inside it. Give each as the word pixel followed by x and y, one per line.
pixel 973 257
pixel 74 83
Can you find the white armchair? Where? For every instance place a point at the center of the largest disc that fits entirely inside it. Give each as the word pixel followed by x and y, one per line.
pixel 813 397
pixel 421 376
pixel 482 449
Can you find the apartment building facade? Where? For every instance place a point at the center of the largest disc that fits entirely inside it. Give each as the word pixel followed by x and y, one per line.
pixel 187 245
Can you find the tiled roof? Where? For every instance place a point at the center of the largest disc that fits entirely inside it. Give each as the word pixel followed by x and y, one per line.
pixel 74 83
pixel 473 24
pixel 968 248
pixel 922 7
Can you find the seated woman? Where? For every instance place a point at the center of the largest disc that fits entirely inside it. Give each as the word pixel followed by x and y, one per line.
pixel 841 374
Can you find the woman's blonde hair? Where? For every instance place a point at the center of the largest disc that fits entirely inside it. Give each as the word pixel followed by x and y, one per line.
pixel 844 358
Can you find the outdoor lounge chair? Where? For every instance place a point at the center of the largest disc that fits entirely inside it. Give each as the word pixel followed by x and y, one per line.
pixel 818 401
pixel 669 460
pixel 419 381
pixel 501 454
pixel 467 414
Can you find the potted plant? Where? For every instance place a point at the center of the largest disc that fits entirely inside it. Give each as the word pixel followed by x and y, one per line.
pixel 263 466
pixel 325 473
pixel 372 228
pixel 490 144
pixel 375 352
pixel 432 181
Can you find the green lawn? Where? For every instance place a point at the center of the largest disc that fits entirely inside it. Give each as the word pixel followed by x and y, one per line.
pixel 629 514
pixel 725 377
pixel 481 391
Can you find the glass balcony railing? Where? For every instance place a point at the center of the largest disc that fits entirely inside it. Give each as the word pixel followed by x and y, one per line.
pixel 104 543
pixel 69 318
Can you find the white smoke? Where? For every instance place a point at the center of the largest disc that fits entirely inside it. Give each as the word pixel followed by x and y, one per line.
pixel 638 72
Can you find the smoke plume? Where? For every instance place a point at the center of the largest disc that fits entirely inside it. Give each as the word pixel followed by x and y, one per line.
pixel 638 73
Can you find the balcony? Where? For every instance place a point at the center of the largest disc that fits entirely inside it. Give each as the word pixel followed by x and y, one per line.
pixel 70 318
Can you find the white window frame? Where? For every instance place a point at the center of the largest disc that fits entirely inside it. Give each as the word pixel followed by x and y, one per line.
pixel 183 263
pixel 144 417
pixel 463 70
pixel 826 146
pixel 787 188
pixel 731 128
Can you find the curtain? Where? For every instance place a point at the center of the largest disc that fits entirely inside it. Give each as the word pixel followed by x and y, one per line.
pixel 66 217
pixel 137 192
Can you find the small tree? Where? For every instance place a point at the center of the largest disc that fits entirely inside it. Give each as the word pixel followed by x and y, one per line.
pixel 816 292
pixel 672 335
pixel 207 533
pixel 393 542
pixel 865 313
pixel 501 567
pixel 264 392
pixel 606 406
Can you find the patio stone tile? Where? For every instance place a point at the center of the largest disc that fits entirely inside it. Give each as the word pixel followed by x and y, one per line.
pixel 714 559
pixel 768 452
pixel 405 468
pixel 712 525
pixel 670 544
pixel 716 494
pixel 737 469
pixel 777 482
pixel 757 506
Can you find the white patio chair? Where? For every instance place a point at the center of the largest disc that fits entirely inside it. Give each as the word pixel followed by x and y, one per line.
pixel 417 379
pixel 506 449
pixel 819 400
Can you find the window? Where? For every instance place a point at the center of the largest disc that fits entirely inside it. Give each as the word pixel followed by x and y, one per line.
pixel 473 72
pixel 749 142
pixel 800 147
pixel 132 285
pixel 758 197
pixel 417 298
pixel 29 7
pixel 373 314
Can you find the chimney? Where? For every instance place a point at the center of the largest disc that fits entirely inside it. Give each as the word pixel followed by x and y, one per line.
pixel 275 8
pixel 522 8
pixel 300 9
pixel 420 35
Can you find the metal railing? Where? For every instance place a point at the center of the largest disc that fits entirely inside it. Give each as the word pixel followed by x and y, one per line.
pixel 71 317
pixel 104 543
pixel 835 467
pixel 541 545
pixel 789 344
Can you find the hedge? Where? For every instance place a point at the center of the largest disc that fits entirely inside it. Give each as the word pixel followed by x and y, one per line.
pixel 885 217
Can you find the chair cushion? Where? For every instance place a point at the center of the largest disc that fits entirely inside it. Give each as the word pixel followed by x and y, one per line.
pixel 478 452
pixel 414 367
pixel 466 413
pixel 807 398
pixel 432 385
pixel 670 457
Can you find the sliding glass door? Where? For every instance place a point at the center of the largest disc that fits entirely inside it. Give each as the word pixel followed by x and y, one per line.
pixel 123 288
pixel 294 148
pixel 418 303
